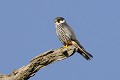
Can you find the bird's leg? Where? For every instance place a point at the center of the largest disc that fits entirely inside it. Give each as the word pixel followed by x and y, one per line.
pixel 66 46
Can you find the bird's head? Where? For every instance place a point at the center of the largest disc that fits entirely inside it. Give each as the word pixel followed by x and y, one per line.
pixel 59 20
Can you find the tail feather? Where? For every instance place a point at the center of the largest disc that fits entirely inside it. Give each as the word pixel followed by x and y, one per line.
pixel 81 50
pixel 85 54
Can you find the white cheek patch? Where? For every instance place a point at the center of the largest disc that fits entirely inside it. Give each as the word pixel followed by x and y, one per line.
pixel 57 23
pixel 63 21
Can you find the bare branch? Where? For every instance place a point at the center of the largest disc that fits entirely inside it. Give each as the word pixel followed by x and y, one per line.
pixel 40 61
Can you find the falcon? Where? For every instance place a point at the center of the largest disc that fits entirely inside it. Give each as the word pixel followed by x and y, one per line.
pixel 67 37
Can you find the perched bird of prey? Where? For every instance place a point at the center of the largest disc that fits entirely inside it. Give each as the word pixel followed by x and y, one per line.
pixel 67 37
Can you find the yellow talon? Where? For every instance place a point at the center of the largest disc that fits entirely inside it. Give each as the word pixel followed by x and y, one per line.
pixel 66 46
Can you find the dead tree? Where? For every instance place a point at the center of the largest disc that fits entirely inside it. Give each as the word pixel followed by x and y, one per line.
pixel 40 61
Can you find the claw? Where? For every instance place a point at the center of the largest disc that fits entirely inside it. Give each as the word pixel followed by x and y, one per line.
pixel 66 46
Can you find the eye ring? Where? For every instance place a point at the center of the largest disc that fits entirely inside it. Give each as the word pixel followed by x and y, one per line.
pixel 58 20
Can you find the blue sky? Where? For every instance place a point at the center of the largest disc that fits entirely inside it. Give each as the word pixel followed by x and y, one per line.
pixel 27 29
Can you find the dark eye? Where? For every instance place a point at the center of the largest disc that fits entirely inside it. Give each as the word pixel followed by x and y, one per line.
pixel 58 20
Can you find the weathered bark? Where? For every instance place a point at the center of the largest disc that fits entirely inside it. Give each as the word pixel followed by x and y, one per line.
pixel 40 61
